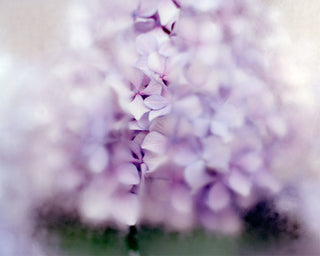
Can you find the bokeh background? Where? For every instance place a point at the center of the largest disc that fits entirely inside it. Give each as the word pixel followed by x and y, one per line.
pixel 32 28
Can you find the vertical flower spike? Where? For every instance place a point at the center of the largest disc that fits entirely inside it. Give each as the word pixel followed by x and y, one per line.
pixel 218 92
pixel 165 112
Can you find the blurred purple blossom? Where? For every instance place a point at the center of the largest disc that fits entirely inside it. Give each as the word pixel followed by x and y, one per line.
pixel 161 112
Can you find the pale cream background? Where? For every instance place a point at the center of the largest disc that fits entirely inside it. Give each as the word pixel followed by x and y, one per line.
pixel 31 28
pixel 301 18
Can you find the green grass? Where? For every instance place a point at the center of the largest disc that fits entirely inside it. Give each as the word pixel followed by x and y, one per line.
pixel 75 239
pixel 264 230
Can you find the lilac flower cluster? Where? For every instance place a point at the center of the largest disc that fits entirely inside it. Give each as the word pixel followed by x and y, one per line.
pixel 202 114
pixel 163 112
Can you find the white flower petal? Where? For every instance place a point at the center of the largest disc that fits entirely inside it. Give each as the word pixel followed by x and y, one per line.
pixel 167 11
pixel 205 5
pixel 155 142
pixel 119 87
pixel 153 88
pixel 138 139
pixel 137 107
pixel 147 8
pixel 165 125
pixel 137 78
pixel 167 49
pixel 146 44
pixel 161 112
pixel 156 102
pixel 156 62
pixel 134 125
pixel 153 161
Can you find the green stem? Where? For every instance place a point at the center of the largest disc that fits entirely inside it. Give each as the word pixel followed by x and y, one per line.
pixel 132 240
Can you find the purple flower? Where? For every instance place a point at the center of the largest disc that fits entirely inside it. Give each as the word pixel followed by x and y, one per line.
pixel 160 112
pixel 217 120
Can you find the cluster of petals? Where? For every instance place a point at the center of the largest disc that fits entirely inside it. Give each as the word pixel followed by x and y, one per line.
pixel 208 115
pixel 163 112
